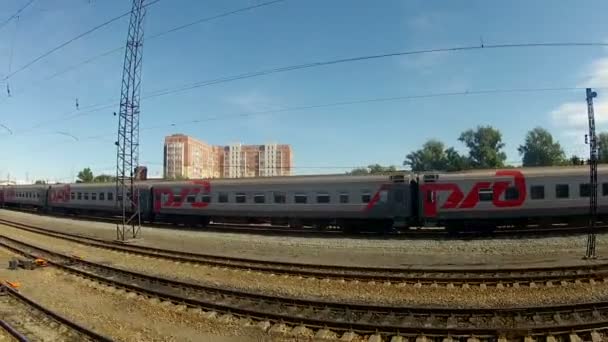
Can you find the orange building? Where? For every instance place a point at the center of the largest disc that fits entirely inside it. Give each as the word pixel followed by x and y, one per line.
pixel 187 157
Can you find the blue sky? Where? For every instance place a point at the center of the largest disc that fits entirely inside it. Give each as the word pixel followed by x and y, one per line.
pixel 325 139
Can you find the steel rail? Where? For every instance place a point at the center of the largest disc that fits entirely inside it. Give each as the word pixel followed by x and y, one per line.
pixel 362 318
pixel 415 233
pixel 471 276
pixel 7 290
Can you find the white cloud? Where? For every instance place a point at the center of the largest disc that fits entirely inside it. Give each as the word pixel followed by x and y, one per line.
pixel 571 119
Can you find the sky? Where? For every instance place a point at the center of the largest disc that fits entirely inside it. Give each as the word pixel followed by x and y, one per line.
pixel 52 139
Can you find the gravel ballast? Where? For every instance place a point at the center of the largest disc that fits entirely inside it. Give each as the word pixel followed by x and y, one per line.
pixel 323 289
pixel 122 316
pixel 417 253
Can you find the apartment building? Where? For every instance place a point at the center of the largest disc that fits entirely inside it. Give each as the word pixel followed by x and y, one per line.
pixel 187 157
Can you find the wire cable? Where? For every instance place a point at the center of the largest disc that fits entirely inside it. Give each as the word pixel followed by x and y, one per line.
pixel 64 44
pixel 336 104
pixel 265 72
pixel 154 36
pixel 16 14
pixel 195 85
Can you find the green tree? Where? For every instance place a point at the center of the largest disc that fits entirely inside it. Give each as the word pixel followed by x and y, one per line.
pixel 485 145
pixel 576 160
pixel 40 181
pixel 539 149
pixel 602 140
pixel 85 176
pixel 104 179
pixel 374 169
pixel 434 157
pixel 455 161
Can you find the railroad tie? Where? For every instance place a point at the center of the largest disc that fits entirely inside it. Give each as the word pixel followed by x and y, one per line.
pixel 348 336
pixel 574 338
pixel 375 338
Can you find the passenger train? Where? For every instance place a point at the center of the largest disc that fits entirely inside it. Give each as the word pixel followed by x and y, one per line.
pixel 479 199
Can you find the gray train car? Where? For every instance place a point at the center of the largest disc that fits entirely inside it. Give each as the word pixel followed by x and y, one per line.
pixel 24 196
pixel 93 198
pixel 351 202
pixel 519 196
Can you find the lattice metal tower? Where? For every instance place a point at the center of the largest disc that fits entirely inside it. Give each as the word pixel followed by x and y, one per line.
pixel 593 156
pixel 127 157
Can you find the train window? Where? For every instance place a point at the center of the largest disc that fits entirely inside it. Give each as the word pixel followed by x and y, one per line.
pixel 512 193
pixel 366 196
pixel 86 196
pixel 94 196
pixel 562 191
pixel 259 198
pixel 119 198
pixel 300 198
pixel 73 196
pixel 323 197
pixel 110 196
pixel 240 197
pixel 486 195
pixel 80 195
pixel 604 189
pixel 176 198
pixel 537 192
pixel 206 199
pixel 279 197
pixel 191 199
pixel 344 197
pixel 384 196
pixel 584 190
pixel 222 197
pixel 102 196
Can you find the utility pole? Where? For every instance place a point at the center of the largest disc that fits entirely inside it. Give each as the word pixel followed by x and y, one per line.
pixel 593 156
pixel 127 156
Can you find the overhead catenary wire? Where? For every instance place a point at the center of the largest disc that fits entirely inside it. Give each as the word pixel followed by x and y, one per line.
pixel 71 40
pixel 195 85
pixel 156 35
pixel 16 14
pixel 336 104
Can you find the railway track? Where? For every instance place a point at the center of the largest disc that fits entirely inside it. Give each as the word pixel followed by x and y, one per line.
pixel 412 233
pixel 585 320
pixel 504 277
pixel 26 320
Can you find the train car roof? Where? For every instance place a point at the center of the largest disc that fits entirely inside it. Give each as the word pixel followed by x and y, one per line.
pixel 541 171
pixel 258 180
pixel 295 179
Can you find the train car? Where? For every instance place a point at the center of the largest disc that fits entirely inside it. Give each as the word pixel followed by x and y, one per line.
pixel 2 187
pixel 485 199
pixel 93 198
pixel 353 203
pixel 24 196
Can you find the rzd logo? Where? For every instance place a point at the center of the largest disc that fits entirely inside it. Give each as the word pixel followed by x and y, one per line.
pixel 457 199
pixel 203 187
pixel 61 194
